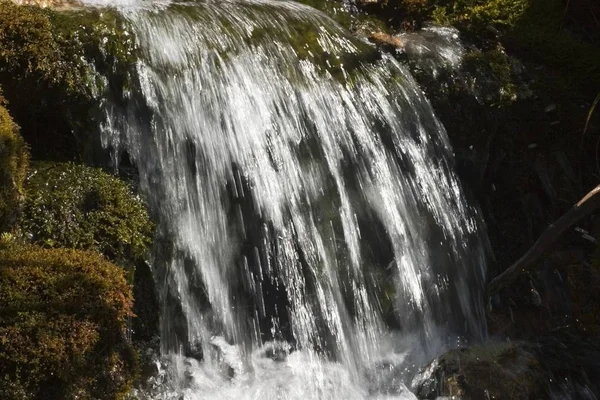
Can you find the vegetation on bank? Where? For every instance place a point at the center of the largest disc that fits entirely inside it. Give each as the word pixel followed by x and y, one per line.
pixel 63 316
pixel 65 309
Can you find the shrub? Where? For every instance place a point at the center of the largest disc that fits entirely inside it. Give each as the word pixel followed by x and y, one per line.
pixel 80 207
pixel 63 315
pixel 13 167
pixel 29 46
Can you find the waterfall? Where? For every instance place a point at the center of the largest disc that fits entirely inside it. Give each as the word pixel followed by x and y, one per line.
pixel 314 240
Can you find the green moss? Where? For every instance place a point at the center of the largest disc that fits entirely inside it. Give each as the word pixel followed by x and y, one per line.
pixel 63 316
pixel 13 168
pixel 52 66
pixel 469 14
pixel 85 208
pixel 491 72
pixel 28 46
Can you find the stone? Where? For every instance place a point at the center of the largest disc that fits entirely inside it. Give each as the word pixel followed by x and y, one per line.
pixel 492 371
pixel 386 41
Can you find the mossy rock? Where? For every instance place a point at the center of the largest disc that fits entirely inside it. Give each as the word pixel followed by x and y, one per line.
pixel 493 73
pixel 495 371
pixel 79 207
pixel 13 168
pixel 63 316
pixel 54 65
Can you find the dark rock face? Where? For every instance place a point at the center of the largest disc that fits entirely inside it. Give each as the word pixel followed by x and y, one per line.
pixel 561 364
pixel 495 371
pixel 145 305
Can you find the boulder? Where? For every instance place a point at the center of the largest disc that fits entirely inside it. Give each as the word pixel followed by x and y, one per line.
pixel 386 41
pixel 493 371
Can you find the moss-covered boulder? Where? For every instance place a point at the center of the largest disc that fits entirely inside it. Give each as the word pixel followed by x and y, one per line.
pixel 63 316
pixel 496 371
pixel 79 207
pixel 54 65
pixel 13 168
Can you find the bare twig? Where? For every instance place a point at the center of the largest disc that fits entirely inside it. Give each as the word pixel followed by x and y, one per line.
pixel 589 116
pixel 588 204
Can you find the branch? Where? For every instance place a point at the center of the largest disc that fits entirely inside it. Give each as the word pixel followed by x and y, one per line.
pixel 588 204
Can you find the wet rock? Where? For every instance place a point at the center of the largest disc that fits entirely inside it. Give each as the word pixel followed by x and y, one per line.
pixel 367 2
pixel 386 41
pixel 494 371
pixel 277 351
pixel 145 306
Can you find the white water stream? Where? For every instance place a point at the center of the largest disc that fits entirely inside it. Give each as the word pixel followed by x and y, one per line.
pixel 318 245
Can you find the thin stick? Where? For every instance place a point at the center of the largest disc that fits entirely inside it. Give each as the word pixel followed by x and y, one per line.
pixel 588 204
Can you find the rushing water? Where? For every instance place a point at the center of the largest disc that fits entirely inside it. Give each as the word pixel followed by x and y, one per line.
pixel 315 242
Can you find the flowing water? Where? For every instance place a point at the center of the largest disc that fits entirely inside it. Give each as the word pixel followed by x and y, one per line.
pixel 314 241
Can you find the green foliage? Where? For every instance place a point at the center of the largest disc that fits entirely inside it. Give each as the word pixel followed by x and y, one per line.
pixel 30 47
pixel 477 14
pixel 546 32
pixel 13 167
pixel 51 64
pixel 470 14
pixel 80 207
pixel 63 316
pixel 535 29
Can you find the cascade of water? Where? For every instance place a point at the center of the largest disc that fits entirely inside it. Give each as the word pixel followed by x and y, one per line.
pixel 312 224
